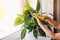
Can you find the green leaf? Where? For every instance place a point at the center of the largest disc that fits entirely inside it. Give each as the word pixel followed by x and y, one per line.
pixel 28 6
pixel 42 33
pixel 35 33
pixel 30 28
pixel 19 20
pixel 32 22
pixel 38 6
pixel 25 13
pixel 27 20
pixel 23 33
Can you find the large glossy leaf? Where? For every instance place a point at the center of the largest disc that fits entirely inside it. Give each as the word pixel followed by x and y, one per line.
pixel 19 20
pixel 28 6
pixel 35 33
pixel 38 6
pixel 30 28
pixel 23 33
pixel 42 33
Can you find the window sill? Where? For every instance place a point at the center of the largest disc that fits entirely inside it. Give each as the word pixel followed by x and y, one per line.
pixel 4 32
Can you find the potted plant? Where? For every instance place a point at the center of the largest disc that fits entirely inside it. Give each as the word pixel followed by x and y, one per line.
pixel 30 22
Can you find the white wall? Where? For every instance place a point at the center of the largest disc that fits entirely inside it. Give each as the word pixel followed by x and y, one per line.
pixel 12 8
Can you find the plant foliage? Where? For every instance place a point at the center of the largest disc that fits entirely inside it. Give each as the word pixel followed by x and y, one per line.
pixel 29 21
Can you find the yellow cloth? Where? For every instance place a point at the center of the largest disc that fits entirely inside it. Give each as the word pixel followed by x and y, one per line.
pixel 39 16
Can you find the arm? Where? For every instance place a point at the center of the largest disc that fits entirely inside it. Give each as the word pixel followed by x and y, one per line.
pixel 47 31
pixel 53 22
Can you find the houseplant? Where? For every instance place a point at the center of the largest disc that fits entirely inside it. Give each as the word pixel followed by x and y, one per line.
pixel 29 21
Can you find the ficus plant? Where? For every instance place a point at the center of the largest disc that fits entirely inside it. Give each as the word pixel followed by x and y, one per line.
pixel 30 22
